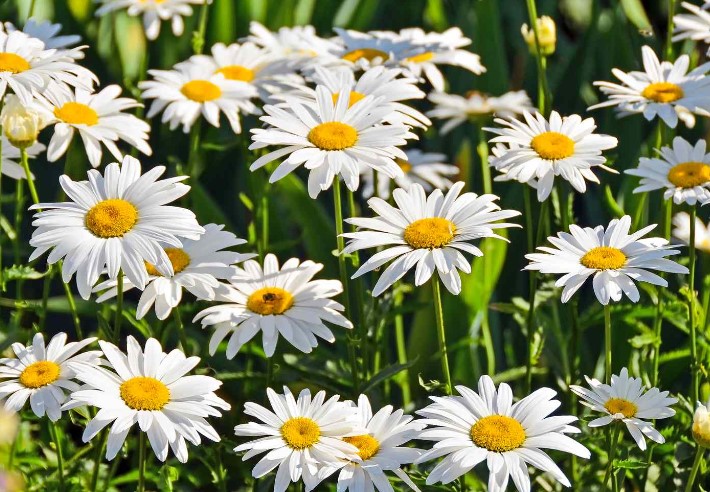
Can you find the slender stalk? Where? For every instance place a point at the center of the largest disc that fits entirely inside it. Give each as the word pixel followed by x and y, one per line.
pixel 54 430
pixel 669 31
pixel 181 328
pixel 533 241
pixel 613 438
pixel 198 41
pixel 119 308
pixel 694 470
pixel 401 347
pixel 607 343
pixel 19 206
pixel 360 298
pixel 691 311
pixel 482 149
pixel 30 182
pixel 141 462
pixel 195 133
pixel 441 333
pixel 31 10
pixel 97 460
pixel 46 283
pixel 72 308
pixel 544 96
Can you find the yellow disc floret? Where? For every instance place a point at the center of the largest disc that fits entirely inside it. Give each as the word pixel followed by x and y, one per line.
pixel 111 218
pixel 270 300
pixel 10 62
pixel 604 258
pixel 367 445
pixel 553 146
pixel 237 72
pixel 201 91
pixel 354 97
pixel 619 405
pixel 689 174
pixel 333 136
pixel 368 54
pixel 421 57
pixel 40 374
pixel 498 433
pixel 144 393
pixel 405 166
pixel 300 432
pixel 179 259
pixel 76 113
pixel 434 232
pixel 662 92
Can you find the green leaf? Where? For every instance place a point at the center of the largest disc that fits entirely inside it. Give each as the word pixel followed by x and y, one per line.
pixel 132 47
pixel 636 13
pixel 22 272
pixel 631 464
pixel 386 374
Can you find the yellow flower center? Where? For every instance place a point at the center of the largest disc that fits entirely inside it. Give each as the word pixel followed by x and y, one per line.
pixel 300 432
pixel 201 91
pixel 237 72
pixel 144 393
pixel 553 145
pixel 40 374
pixel 10 62
pixel 405 166
pixel 498 433
pixel 619 405
pixel 689 174
pixel 354 97
pixel 333 136
pixel 367 445
pixel 76 113
pixel 421 57
pixel 177 257
pixel 111 218
pixel 269 300
pixel 429 233
pixel 662 92
pixel 368 54
pixel 604 258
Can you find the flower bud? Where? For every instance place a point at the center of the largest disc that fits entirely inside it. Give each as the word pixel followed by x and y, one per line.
pixel 547 33
pixel 701 425
pixel 21 124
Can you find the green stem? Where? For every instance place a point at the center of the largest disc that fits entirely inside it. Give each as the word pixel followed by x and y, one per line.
pixel 533 241
pixel 691 311
pixel 54 430
pixel 669 32
pixel 401 347
pixel 360 298
pixel 30 182
pixel 119 308
pixel 19 208
pixel 46 284
pixel 441 333
pixel 31 10
pixel 193 167
pixel 694 470
pixel 181 328
pixel 198 41
pixel 141 462
pixel 482 149
pixel 613 438
pixel 72 308
pixel 97 460
pixel 607 343
pixel 544 96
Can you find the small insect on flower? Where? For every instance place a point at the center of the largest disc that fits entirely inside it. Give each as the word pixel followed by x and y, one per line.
pixel 626 400
pixel 611 255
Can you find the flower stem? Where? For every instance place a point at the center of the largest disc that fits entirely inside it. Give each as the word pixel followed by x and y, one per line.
pixel 141 462
pixel 441 333
pixel 30 182
pixel 119 308
pixel 607 343
pixel 360 298
pixel 533 240
pixel 691 310
pixel 181 328
pixel 192 165
pixel 54 430
pixel 482 149
pixel 198 40
pixel 669 31
pixel 72 307
pixel 613 438
pixel 543 91
pixel 694 470
pixel 97 460
pixel 401 346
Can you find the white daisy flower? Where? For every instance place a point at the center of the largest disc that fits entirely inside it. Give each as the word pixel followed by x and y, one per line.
pixel 11 156
pixel 197 267
pixel 695 25
pixel 663 89
pixel 191 89
pixel 429 232
pixel 681 231
pixel 297 43
pixel 331 138
pixel 148 387
pixel 302 437
pixel 360 50
pixel 26 66
pixel 381 449
pixel 379 82
pixel 43 374
pixel 540 149
pixel 612 256
pixel 682 171
pixel 428 169
pixel 476 106
pixel 114 222
pixel 274 301
pixel 627 401
pixel 487 426
pixel 48 33
pixel 99 118
pixel 153 12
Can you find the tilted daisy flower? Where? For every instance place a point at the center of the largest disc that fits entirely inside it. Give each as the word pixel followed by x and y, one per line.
pixel 99 118
pixel 298 43
pixel 11 156
pixel 197 267
pixel 276 302
pixel 695 25
pixel 428 169
pixel 26 66
pixel 115 221
pixel 477 107
pixel 331 138
pixel 542 149
pixel 681 231
pixel 381 449
pixel 682 171
pixel 193 89
pixel 302 437
pixel 612 256
pixel 148 387
pixel 153 12
pixel 663 89
pixel 48 33
pixel 430 232
pixel 487 426
pixel 43 374
pixel 627 401
pixel 360 50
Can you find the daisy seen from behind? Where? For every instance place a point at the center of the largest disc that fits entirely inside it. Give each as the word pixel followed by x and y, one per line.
pixel 431 233
pixel 331 138
pixel 626 400
pixel 148 387
pixel 487 426
pixel 153 13
pixel 43 374
pixel 191 90
pixel 694 25
pixel 610 255
pixel 664 89
pixel 298 44
pixel 197 267
pixel 277 301
pixel 681 231
pixel 538 150
pixel 114 222
pixel 303 437
pixel 48 33
pixel 682 171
